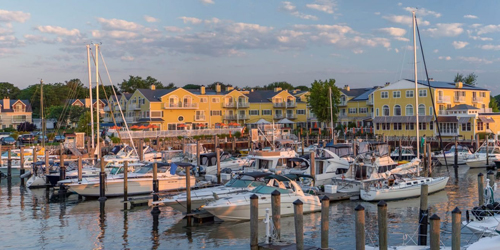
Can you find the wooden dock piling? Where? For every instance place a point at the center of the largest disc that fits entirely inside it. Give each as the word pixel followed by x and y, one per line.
pixel 491 177
pixel 423 215
pixel 298 210
pixel 102 182
pixel 80 168
pixel 456 223
pixel 9 163
pixel 312 158
pixel 435 232
pixel 217 150
pixel 382 225
pixel 21 170
pixel 254 222
pixel 480 188
pixel 125 185
pixel 360 227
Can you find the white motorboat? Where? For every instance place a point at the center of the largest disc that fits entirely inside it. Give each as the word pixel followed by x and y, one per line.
pixel 243 183
pixel 139 182
pixel 395 187
pixel 119 152
pixel 478 159
pixel 407 153
pixel 463 154
pixel 269 160
pixel 238 207
pixel 208 162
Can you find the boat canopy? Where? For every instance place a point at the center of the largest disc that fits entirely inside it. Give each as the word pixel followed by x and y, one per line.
pixel 277 177
pixel 295 177
pixel 256 175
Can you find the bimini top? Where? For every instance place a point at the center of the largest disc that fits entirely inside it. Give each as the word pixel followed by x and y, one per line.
pixel 256 175
pixel 296 177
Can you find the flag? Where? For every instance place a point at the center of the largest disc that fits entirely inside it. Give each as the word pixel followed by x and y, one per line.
pixel 361 130
pixel 173 168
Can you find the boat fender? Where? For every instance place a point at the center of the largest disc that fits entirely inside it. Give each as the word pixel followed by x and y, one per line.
pixel 216 197
pixel 26 175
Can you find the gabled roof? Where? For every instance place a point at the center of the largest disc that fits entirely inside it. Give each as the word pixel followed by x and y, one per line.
pixel 365 95
pixel 462 107
pixel 154 95
pixel 261 95
pixel 12 102
pixel 71 101
pixel 446 85
pixel 354 91
pixel 207 92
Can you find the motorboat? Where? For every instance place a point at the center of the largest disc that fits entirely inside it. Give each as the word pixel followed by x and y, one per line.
pixel 269 160
pixel 478 159
pixel 463 154
pixel 237 207
pixel 118 152
pixel 396 187
pixel 16 165
pixel 244 182
pixel 37 178
pixel 485 219
pixel 208 162
pixel 139 182
pixel 407 153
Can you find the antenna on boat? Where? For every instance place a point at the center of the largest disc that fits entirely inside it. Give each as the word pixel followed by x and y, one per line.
pixel 416 85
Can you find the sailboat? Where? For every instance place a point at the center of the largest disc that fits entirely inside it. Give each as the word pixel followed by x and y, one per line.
pixel 396 186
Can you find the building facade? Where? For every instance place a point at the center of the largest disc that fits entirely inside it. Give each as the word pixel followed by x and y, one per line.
pixel 14 112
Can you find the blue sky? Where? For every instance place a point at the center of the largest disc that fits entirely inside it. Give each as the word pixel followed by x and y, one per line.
pixel 358 43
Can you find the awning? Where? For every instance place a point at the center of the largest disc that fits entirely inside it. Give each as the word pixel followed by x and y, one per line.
pixel 151 120
pixel 285 121
pixel 463 120
pixel 261 121
pixel 402 119
pixel 447 119
pixel 486 119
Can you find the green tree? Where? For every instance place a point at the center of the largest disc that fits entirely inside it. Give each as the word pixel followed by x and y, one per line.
pixel 470 79
pixel 319 100
pixel 84 124
pixel 302 88
pixel 8 90
pixel 282 85
pixel 170 86
pixel 136 82
pixel 77 88
pixel 494 104
pixel 191 86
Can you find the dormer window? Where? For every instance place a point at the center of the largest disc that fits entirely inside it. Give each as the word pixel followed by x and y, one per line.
pixel 19 108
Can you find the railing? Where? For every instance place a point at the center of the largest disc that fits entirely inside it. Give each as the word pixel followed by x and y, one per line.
pixel 342 115
pixel 236 105
pixel 344 103
pixel 369 102
pixel 291 116
pixel 279 116
pixel 180 105
pixel 18 120
pixel 291 104
pixel 199 117
pixel 477 99
pixel 443 99
pixel 279 104
pixel 235 117
pixel 131 119
pixel 442 112
pixel 459 98
pixel 448 132
pixel 485 110
pixel 176 133
pixel 134 107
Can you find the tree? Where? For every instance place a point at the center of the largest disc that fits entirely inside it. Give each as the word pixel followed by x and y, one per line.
pixel 136 82
pixel 319 100
pixel 494 104
pixel 191 86
pixel 470 79
pixel 84 123
pixel 8 90
pixel 170 86
pixel 282 85
pixel 212 86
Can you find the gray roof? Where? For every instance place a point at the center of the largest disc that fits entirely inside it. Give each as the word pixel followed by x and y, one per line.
pixel 354 91
pixel 155 95
pixel 71 101
pixel 207 92
pixel 261 95
pixel 26 102
pixel 446 85
pixel 462 107
pixel 402 119
pixel 364 96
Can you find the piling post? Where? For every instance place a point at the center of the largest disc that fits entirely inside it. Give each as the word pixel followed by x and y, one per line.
pixel 477 142
pixel 354 151
pixel 429 160
pixel 491 177
pixel 276 212
pixel 47 164
pixel 455 164
pixel 156 210
pixel 302 148
pixel 423 215
pixel 141 149
pixel 400 157
pixel 249 140
pixel 125 185
pixel 216 141
pixel 325 212
pixel 218 165
pixel 198 160
pixel 424 153
pixel 298 210
pixel 360 227
pixel 62 168
pixel 335 138
pixel 296 147
pixel 435 232
pixel 487 153
pixel 254 222
pixel 188 196
pixel 80 169
pixel 234 144
pixel 382 225
pixel 35 157
pixel 1 162
pixel 9 163
pixel 312 158
pixel 456 223
pixel 21 170
pixel 102 182
pixel 480 188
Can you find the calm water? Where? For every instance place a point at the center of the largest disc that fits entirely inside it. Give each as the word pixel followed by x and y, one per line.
pixel 36 219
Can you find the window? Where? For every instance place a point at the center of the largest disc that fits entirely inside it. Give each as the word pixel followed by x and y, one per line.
pixel 397 126
pixel 431 125
pixel 253 112
pixel 215 112
pixel 267 112
pixel 172 126
pixel 385 110
pixel 388 126
pixel 431 111
pixel 397 110
pixel 421 109
pixel 180 118
pixel 482 94
pixel 353 110
pixel 215 100
pixel 396 94
pixel 409 110
pixel 422 126
pixel 383 126
pixel 384 94
pixel 301 111
pixel 409 93
pixel 377 112
pixel 378 126
pixel 362 110
pixel 466 126
pixel 203 100
pixel 410 126
pixel 479 125
pixel 487 126
pixel 422 92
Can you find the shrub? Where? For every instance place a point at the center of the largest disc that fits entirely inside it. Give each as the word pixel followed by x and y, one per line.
pixel 115 140
pixel 237 134
pixel 15 135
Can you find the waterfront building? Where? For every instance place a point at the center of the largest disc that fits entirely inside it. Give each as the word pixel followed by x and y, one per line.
pixel 356 106
pixel 14 112
pixel 85 103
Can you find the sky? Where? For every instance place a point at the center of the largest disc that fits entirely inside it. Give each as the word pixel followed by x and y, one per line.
pixel 249 43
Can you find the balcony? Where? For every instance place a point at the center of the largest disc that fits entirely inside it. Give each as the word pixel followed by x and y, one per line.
pixel 459 99
pixel 236 117
pixel 285 104
pixel 134 107
pixel 291 104
pixel 442 112
pixel 343 103
pixel 236 105
pixel 180 106
pixel 291 116
pixel 131 119
pixel 279 116
pixel 199 118
pixel 443 99
pixel 369 102
pixel 477 99
pixel 448 132
pixel 485 110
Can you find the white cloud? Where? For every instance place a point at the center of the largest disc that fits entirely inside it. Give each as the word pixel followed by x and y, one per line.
pixel 118 24
pixel 323 5
pixel 151 19
pixel 400 4
pixel 476 25
pixel 423 12
pixel 397 50
pixel 58 30
pixel 489 29
pixel 207 1
pixel 447 58
pixel 115 34
pixel 446 30
pixel 480 38
pixel 459 44
pixel 292 9
pixel 127 58
pixel 474 60
pixel 404 39
pixel 393 31
pixel 470 17
pixel 406 20
pixel 377 13
pixel 357 51
pixel 14 16
pixel 436 51
pixel 174 29
pixel 192 20
pixel 490 47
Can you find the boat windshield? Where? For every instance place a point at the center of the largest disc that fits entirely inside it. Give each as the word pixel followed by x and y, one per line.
pixel 269 190
pixel 235 183
pixel 116 170
pixel 143 170
pixel 491 150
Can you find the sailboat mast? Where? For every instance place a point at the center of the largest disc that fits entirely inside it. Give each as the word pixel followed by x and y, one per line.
pixel 416 84
pixel 91 106
pixel 41 114
pixel 331 112
pixel 97 98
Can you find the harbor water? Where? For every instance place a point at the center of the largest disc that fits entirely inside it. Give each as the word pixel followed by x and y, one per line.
pixel 38 219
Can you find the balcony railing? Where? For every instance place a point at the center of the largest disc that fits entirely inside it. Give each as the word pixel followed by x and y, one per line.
pixel 477 99
pixel 448 132
pixel 369 102
pixel 344 103
pixel 236 105
pixel 199 118
pixel 291 104
pixel 180 105
pixel 485 110
pixel 131 119
pixel 459 98
pixel 285 104
pixel 279 116
pixel 134 107
pixel 236 117
pixel 444 99
pixel 291 116
pixel 442 112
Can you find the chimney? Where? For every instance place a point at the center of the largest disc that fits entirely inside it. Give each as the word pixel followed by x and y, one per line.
pixel 347 88
pixel 202 89
pixel 229 88
pixel 387 83
pixel 153 87
pixel 431 79
pixel 459 85
pixel 6 103
pixel 277 89
pixel 217 88
pixel 87 103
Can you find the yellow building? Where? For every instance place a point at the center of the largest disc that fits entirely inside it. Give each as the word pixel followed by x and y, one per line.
pixel 356 106
pixel 461 109
pixel 14 112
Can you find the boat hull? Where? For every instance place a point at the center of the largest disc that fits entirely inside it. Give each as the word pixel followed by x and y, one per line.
pixel 485 227
pixel 36 182
pixel 450 160
pixel 480 163
pixel 402 193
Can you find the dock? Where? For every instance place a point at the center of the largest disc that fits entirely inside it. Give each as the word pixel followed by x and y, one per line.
pixel 275 246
